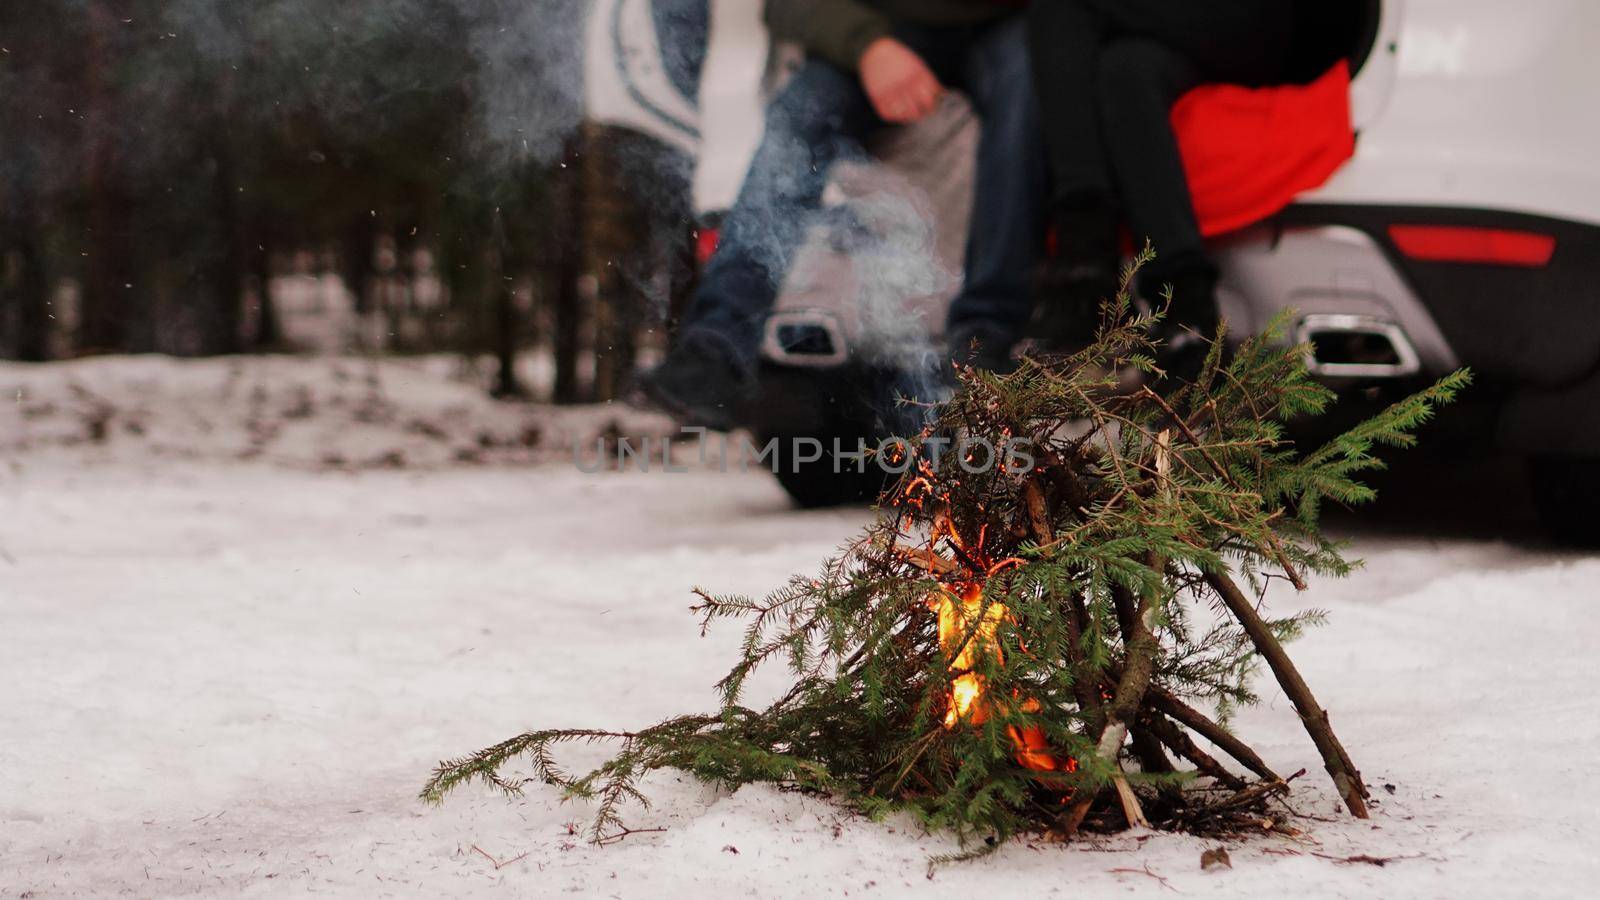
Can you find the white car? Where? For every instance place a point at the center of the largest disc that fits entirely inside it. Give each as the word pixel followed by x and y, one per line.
pixel 1465 231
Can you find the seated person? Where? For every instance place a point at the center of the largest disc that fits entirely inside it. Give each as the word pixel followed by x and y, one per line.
pixel 869 63
pixel 1108 73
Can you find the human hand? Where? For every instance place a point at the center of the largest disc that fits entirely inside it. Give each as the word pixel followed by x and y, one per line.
pixel 900 85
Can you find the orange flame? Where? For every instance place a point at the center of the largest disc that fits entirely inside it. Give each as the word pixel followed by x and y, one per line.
pixel 968 696
pixel 962 610
pixel 956 617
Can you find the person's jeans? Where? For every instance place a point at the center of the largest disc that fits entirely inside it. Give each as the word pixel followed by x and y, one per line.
pixel 822 116
pixel 1108 72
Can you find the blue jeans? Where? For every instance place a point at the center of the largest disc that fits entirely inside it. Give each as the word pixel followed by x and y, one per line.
pixel 822 116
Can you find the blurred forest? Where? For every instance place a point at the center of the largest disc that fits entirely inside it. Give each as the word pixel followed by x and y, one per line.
pixel 207 176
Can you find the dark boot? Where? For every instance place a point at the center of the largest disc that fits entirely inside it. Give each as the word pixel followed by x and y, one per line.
pixel 980 348
pixel 1082 276
pixel 700 383
pixel 1185 335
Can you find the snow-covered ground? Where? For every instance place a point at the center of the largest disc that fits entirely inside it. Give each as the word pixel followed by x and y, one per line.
pixel 230 653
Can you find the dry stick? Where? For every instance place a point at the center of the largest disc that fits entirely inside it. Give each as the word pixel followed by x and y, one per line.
pixel 1246 796
pixel 1145 745
pixel 1086 679
pixel 1274 546
pixel 1196 721
pixel 1136 674
pixel 1152 759
pixel 1038 518
pixel 1085 682
pixel 499 864
pixel 928 560
pixel 1145 871
pixel 1194 819
pixel 1181 744
pixel 614 837
pixel 1135 618
pixel 1345 777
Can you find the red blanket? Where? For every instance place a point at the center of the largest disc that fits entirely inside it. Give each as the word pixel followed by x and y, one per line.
pixel 1249 152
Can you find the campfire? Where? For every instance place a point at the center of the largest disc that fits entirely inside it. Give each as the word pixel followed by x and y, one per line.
pixel 1011 651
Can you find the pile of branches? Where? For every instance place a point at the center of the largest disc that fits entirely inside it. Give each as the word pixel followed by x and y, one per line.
pixel 1028 646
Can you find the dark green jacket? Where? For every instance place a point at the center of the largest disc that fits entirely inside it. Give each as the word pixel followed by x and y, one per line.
pixel 839 30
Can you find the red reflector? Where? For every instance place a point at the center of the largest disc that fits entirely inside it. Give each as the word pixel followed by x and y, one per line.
pixel 1461 244
pixel 705 244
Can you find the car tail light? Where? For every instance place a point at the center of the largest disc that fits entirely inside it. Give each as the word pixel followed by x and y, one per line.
pixel 1464 244
pixel 705 244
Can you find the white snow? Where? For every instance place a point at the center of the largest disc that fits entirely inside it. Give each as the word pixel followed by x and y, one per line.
pixel 230 675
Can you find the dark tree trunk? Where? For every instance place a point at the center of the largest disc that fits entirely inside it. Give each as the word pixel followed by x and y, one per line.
pixel 504 306
pixel 506 384
pixel 605 234
pixel 268 333
pixel 30 297
pixel 24 283
pixel 227 281
pixel 616 329
pixel 568 307
pixel 110 288
pixel 356 252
